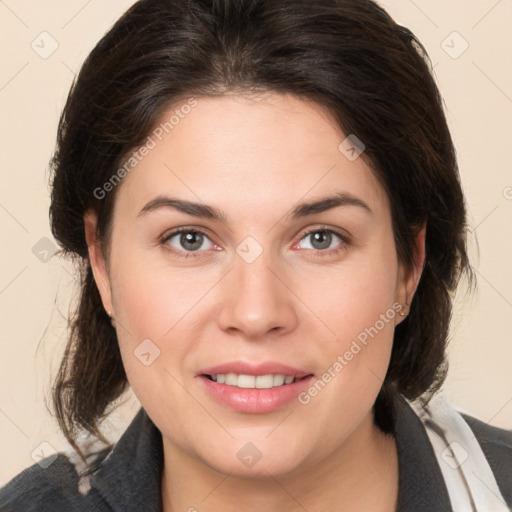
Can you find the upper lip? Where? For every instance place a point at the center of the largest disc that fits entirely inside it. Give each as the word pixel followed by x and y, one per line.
pixel 245 368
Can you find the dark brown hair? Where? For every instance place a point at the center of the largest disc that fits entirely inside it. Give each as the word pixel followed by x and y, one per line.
pixel 347 55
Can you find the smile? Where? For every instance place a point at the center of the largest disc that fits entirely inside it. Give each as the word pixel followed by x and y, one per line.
pixel 254 393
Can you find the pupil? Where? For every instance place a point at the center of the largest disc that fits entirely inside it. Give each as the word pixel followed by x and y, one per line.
pixel 321 239
pixel 191 241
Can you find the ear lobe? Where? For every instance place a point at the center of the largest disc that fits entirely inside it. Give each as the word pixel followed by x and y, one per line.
pixel 97 260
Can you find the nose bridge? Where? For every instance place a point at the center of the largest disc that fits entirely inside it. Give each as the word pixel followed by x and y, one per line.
pixel 256 301
pixel 256 280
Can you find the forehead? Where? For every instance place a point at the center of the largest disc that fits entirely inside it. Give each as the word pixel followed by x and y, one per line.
pixel 248 154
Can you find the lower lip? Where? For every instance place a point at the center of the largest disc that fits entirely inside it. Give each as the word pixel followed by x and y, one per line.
pixel 255 400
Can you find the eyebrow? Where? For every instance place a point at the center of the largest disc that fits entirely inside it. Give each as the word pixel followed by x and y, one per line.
pixel 212 213
pixel 195 209
pixel 328 203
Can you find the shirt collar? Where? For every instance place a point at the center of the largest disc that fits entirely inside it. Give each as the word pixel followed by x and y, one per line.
pixel 130 477
pixel 421 484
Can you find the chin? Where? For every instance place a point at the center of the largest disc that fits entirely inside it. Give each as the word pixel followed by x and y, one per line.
pixel 259 459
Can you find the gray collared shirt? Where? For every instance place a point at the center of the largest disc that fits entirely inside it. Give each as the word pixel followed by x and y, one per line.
pixel 128 479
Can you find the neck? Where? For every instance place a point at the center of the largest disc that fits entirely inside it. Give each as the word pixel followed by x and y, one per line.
pixel 362 474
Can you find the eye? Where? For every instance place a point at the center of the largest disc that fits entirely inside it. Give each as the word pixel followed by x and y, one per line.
pixel 184 242
pixel 322 240
pixel 188 240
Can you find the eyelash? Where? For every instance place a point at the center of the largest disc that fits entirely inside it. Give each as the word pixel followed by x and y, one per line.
pixel 316 253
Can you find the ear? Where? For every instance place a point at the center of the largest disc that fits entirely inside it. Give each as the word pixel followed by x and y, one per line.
pixel 410 278
pixel 97 260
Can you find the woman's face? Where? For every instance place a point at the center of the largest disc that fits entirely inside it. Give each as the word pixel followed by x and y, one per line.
pixel 286 267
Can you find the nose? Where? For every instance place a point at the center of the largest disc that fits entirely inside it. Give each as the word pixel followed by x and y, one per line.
pixel 256 300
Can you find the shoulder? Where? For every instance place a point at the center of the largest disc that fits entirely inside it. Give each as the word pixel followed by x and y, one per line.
pixel 496 443
pixel 488 435
pixel 51 485
pixel 423 433
pixel 125 476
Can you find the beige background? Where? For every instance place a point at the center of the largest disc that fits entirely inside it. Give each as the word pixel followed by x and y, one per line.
pixel 34 295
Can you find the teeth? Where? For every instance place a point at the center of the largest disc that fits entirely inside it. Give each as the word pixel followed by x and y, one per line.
pixel 252 381
pixel 279 380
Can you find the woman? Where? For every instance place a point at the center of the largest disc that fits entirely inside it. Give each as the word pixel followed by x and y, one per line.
pixel 266 203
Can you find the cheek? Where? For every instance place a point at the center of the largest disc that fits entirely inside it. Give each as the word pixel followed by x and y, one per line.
pixel 159 311
pixel 353 370
pixel 151 298
pixel 356 354
pixel 358 305
pixel 154 311
pixel 349 299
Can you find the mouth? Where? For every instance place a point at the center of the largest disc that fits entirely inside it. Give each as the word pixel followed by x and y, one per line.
pixel 251 388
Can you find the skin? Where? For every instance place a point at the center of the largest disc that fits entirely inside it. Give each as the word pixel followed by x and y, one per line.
pixel 255 159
